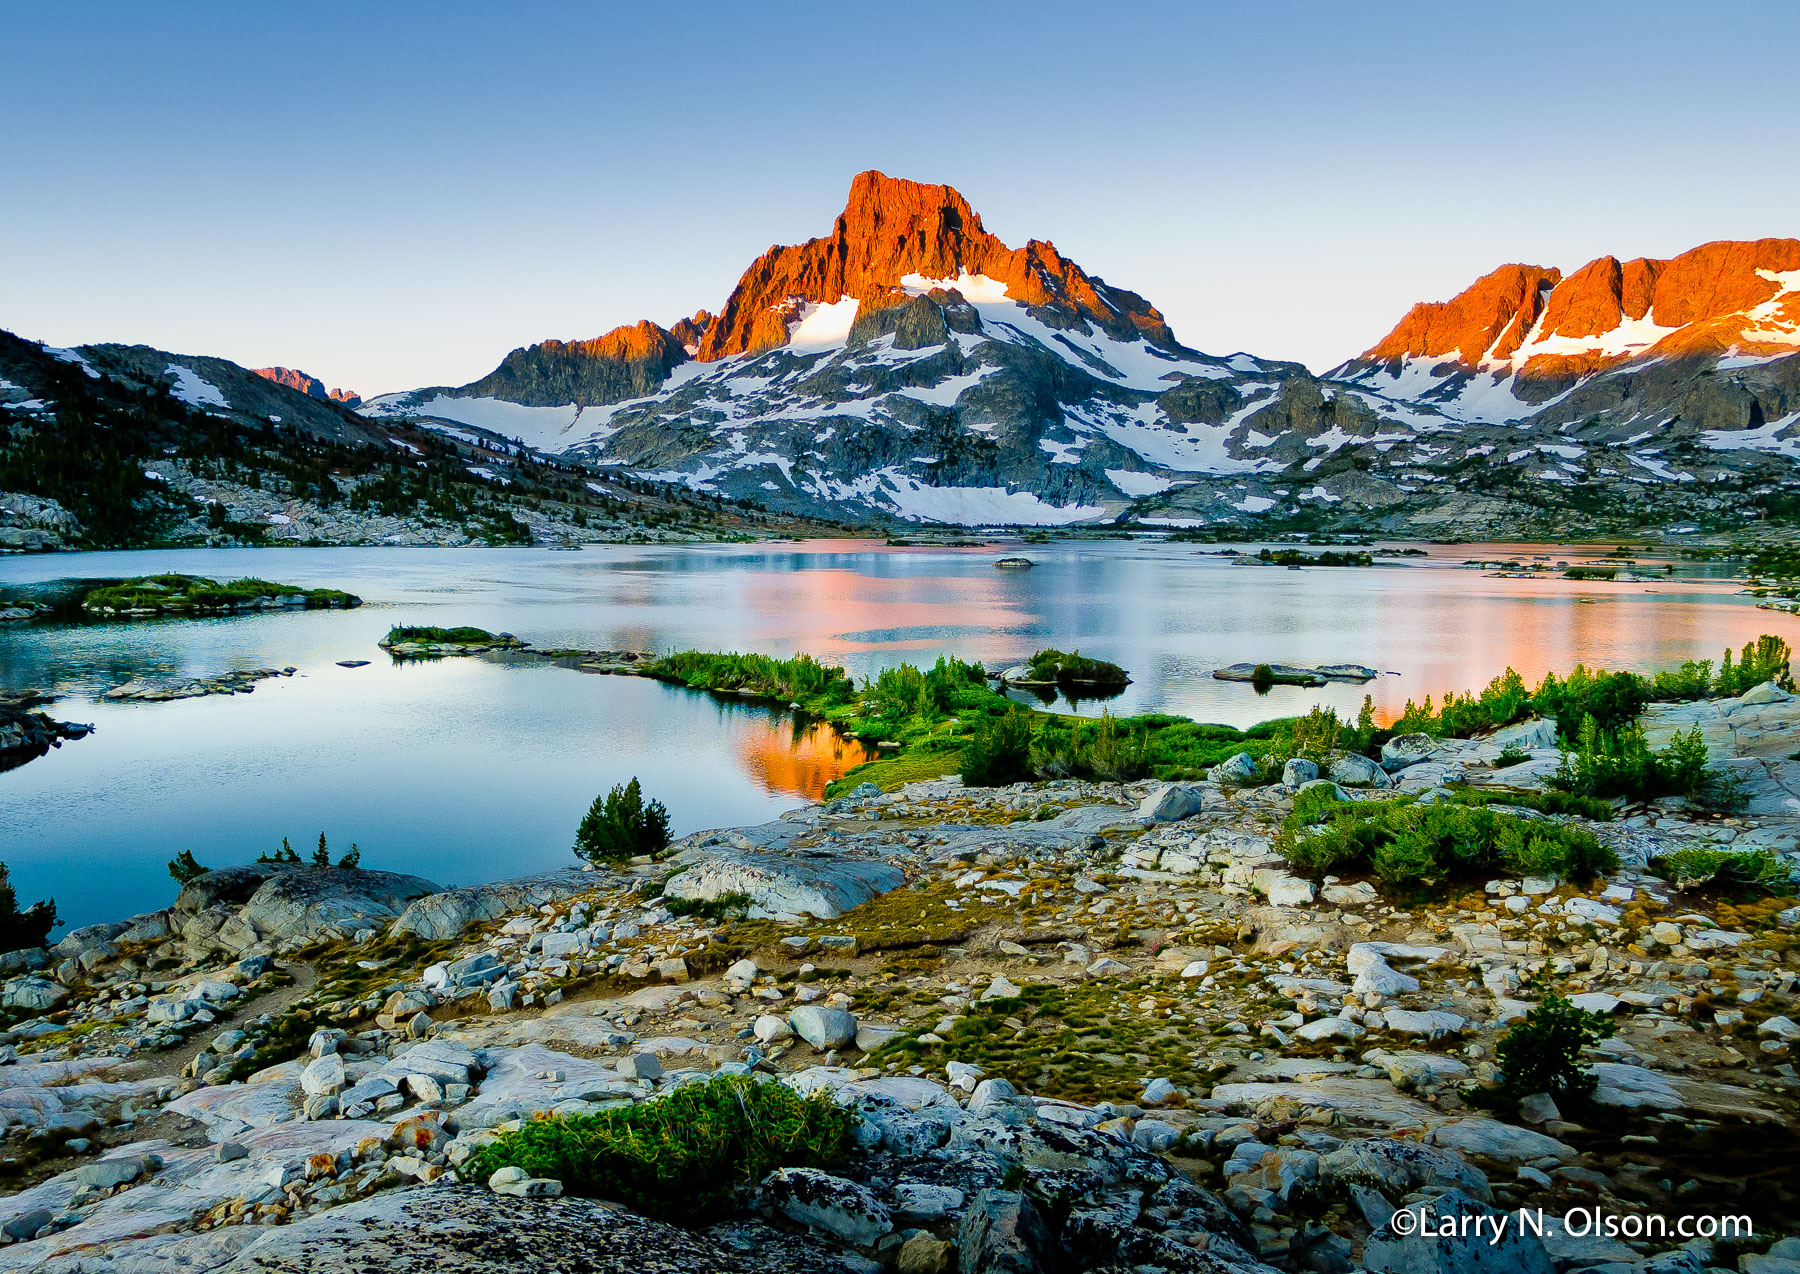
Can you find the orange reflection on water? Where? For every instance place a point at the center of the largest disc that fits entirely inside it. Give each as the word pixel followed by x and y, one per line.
pixel 829 612
pixel 799 759
pixel 1553 624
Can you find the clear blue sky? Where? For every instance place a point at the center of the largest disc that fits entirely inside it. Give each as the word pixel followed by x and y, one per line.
pixel 391 196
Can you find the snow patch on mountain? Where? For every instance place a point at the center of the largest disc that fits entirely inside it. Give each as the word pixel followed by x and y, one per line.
pixel 823 327
pixel 74 356
pixel 1132 364
pixel 1134 483
pixel 545 428
pixel 192 390
pixel 980 506
pixel 1768 436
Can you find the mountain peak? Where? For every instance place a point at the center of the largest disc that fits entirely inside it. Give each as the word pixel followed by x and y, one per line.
pixel 893 229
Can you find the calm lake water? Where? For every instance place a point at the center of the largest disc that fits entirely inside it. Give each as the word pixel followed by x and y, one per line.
pixel 464 770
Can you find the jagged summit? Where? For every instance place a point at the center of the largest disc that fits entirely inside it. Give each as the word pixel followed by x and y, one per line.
pixel 891 231
pixel 1738 298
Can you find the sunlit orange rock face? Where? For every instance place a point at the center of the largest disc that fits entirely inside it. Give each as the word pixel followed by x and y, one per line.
pixel 1494 314
pixel 311 386
pixel 689 330
pixel 631 343
pixel 1717 298
pixel 891 228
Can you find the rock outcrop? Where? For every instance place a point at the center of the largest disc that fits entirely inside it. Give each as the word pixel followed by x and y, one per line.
pixel 287 905
pixel 311 386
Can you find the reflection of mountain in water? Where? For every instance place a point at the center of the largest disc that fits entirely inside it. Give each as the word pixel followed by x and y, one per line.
pixel 795 757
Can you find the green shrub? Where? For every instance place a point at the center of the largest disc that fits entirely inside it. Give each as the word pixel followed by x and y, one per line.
pixel 1294 557
pixel 724 907
pixel 1757 871
pixel 1692 680
pixel 1552 802
pixel 801 679
pixel 1542 1053
pixel 1765 659
pixel 1510 755
pixel 622 825
pixel 685 1156
pixel 1612 698
pixel 184 867
pixel 22 929
pixel 1103 749
pixel 285 854
pixel 899 692
pixel 1319 735
pixel 1408 846
pixel 999 752
pixel 1609 763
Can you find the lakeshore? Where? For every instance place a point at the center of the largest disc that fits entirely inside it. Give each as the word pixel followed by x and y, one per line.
pixel 1123 981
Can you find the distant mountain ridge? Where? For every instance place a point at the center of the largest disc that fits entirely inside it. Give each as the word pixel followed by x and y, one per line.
pixel 910 365
pixel 124 446
pixel 1724 299
pixel 311 386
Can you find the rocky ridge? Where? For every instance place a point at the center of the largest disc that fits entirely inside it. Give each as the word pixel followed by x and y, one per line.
pixel 911 366
pixel 189 450
pixel 311 386
pixel 1083 1026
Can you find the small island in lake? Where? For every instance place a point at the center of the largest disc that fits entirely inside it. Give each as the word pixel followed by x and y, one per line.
pixel 424 642
pixel 148 596
pixel 1066 671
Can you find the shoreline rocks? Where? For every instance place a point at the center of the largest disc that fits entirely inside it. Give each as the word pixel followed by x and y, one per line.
pixel 152 689
pixel 1216 1064
pixel 1293 675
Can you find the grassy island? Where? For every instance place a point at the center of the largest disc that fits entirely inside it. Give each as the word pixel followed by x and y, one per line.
pixel 152 595
pixel 1072 669
pixel 418 641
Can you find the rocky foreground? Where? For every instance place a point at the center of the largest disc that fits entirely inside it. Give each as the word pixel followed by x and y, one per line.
pixel 1085 1026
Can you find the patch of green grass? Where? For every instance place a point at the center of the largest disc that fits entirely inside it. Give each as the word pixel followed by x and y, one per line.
pixel 1751 872
pixel 931 760
pixel 1082 1041
pixel 686 1155
pixel 724 907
